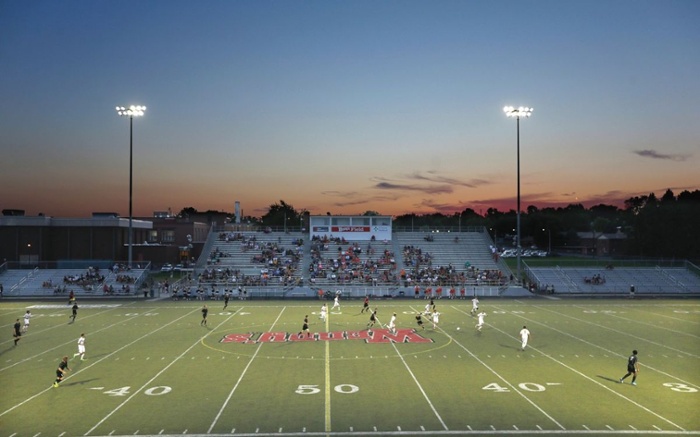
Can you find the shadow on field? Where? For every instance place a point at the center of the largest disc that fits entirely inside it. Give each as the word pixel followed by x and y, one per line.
pixel 85 381
pixel 607 378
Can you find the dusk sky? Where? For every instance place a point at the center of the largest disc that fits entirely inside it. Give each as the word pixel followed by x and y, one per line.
pixel 345 106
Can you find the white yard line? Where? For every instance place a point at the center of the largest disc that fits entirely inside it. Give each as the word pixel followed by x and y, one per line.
pixel 646 366
pixel 420 387
pixel 94 363
pixel 599 384
pixel 240 378
pixel 147 383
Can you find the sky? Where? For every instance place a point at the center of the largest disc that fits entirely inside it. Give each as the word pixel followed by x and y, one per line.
pixel 345 106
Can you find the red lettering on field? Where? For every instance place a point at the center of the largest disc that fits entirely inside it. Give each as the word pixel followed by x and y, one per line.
pixel 358 335
pixel 273 337
pixel 336 335
pixel 301 337
pixel 237 338
pixel 401 336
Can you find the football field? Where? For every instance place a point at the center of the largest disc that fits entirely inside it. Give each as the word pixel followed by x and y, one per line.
pixel 153 368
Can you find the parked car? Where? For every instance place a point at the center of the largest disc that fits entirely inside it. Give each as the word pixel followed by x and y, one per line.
pixel 166 268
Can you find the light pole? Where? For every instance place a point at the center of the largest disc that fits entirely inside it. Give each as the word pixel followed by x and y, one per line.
pixel 521 111
pixel 131 112
pixel 549 235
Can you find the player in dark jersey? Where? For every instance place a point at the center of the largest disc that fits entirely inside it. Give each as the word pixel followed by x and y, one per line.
pixel 372 319
pixel 226 297
pixel 16 333
pixel 75 311
pixel 419 320
pixel 205 311
pixel 365 305
pixel 632 368
pixel 61 371
pixel 305 327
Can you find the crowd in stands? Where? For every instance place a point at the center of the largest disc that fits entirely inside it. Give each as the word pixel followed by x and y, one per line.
pixel 347 266
pixel 596 279
pixel 420 271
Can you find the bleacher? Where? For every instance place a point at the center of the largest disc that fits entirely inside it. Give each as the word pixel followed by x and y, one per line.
pixel 40 282
pixel 618 280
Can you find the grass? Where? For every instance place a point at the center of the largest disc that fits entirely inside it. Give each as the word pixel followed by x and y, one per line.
pixel 151 369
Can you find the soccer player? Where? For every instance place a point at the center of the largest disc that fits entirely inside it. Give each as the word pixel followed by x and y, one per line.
pixel 392 324
pixel 81 347
pixel 524 336
pixel 372 319
pixel 436 318
pixel 324 312
pixel 475 305
pixel 16 332
pixel 336 301
pixel 61 371
pixel 305 326
pixel 481 316
pixel 74 311
pixel 27 316
pixel 226 297
pixel 365 305
pixel 419 320
pixel 632 368
pixel 205 311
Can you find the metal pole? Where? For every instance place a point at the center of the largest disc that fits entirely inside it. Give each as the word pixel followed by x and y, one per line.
pixel 518 212
pixel 131 174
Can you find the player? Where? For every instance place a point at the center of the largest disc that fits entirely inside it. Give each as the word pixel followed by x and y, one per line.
pixel 324 312
pixel 61 371
pixel 392 324
pixel 372 319
pixel 479 325
pixel 16 332
pixel 336 301
pixel 436 318
pixel 427 311
pixel 632 368
pixel 226 298
pixel 524 336
pixel 74 311
pixel 27 316
pixel 305 327
pixel 475 305
pixel 419 320
pixel 205 311
pixel 81 347
pixel 365 305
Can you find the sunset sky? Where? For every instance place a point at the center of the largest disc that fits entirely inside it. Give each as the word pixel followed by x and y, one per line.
pixel 345 106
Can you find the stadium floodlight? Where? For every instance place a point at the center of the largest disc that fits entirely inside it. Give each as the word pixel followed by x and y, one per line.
pixel 521 111
pixel 131 112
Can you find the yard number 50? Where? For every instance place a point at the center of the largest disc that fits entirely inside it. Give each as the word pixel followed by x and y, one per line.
pixel 312 389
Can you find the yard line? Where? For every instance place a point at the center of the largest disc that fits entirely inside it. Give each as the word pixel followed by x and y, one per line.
pixel 584 375
pixel 328 379
pixel 61 345
pixel 95 363
pixel 240 378
pixel 420 387
pixel 514 388
pixel 646 366
pixel 644 323
pixel 118 407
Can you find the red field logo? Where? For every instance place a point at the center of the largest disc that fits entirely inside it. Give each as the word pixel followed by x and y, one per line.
pixel 373 336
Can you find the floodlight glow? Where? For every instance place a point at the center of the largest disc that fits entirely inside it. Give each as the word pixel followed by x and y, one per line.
pixel 522 111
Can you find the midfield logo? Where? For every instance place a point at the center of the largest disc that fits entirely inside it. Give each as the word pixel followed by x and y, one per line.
pixel 373 336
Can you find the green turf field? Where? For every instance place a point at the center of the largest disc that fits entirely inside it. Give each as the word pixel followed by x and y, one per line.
pixel 152 369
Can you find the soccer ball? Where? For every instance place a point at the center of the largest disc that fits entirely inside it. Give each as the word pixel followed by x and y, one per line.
pixel 458 328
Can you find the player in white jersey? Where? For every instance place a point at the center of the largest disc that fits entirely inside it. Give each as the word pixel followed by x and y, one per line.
pixel 81 348
pixel 392 324
pixel 481 316
pixel 524 336
pixel 475 305
pixel 436 319
pixel 27 316
pixel 336 301
pixel 324 312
